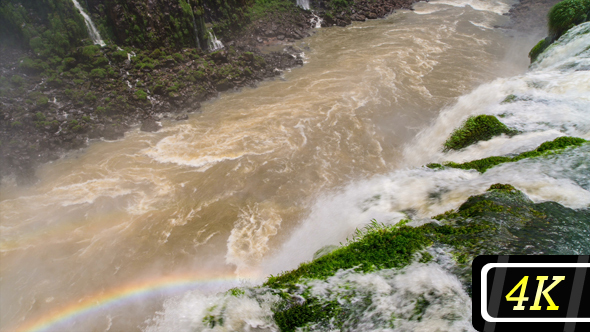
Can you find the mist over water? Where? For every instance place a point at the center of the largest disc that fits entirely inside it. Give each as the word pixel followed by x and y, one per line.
pixel 258 180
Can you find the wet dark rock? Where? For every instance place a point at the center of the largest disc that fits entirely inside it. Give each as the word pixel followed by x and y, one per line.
pixel 358 17
pixel 150 125
pixel 181 117
pixel 530 16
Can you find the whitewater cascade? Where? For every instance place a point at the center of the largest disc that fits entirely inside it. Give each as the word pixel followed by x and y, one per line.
pixel 303 4
pixel 214 43
pixel 316 21
pixel 92 31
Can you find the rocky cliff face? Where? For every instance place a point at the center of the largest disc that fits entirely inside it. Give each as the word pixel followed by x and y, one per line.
pixel 57 89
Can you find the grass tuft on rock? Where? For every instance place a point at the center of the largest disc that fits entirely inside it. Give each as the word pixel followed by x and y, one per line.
pixel 378 249
pixel 482 165
pixel 475 129
pixel 500 186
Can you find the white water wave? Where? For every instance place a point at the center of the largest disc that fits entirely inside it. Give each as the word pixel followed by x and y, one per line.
pixel 216 313
pixel 420 297
pixel 495 6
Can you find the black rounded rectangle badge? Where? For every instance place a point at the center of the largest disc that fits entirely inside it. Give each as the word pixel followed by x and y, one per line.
pixel 515 292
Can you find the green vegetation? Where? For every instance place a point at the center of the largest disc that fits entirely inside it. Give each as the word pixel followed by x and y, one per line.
pixel 482 165
pixel 475 129
pixel 98 73
pixel 141 95
pixel 17 80
pixel 377 249
pixel 374 248
pixel 562 17
pixel 42 101
pixel 539 48
pixel 567 14
pixel 46 27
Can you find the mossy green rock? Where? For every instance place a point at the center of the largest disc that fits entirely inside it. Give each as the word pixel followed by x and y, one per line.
pixel 475 129
pixel 482 165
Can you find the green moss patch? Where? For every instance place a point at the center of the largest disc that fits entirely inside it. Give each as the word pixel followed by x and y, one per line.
pixel 539 48
pixel 311 311
pixel 380 249
pixel 482 165
pixel 475 129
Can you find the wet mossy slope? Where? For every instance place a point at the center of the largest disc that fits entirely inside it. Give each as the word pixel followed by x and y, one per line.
pixel 503 220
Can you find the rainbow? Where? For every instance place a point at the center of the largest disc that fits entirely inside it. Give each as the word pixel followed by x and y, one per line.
pixel 122 295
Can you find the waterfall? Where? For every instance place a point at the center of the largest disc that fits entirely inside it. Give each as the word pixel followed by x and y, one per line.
pixel 196 31
pixel 316 21
pixel 214 43
pixel 303 4
pixel 92 31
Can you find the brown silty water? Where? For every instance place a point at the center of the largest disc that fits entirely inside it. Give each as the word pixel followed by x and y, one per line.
pixel 215 195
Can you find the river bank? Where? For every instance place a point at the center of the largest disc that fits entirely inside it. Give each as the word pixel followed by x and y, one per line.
pixel 51 106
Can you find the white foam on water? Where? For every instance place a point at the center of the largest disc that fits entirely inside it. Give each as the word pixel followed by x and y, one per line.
pixel 248 241
pixel 213 146
pixel 196 311
pixel 495 6
pixel 422 193
pixel 420 297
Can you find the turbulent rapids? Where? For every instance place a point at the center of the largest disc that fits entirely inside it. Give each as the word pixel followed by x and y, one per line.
pixel 179 230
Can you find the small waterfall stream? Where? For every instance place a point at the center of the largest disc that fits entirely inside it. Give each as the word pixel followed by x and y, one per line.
pixel 303 4
pixel 214 43
pixel 92 31
pixel 196 32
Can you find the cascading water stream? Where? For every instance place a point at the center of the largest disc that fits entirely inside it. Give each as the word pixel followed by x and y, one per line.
pixel 141 233
pixel 198 43
pixel 92 31
pixel 316 21
pixel 214 43
pixel 303 4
